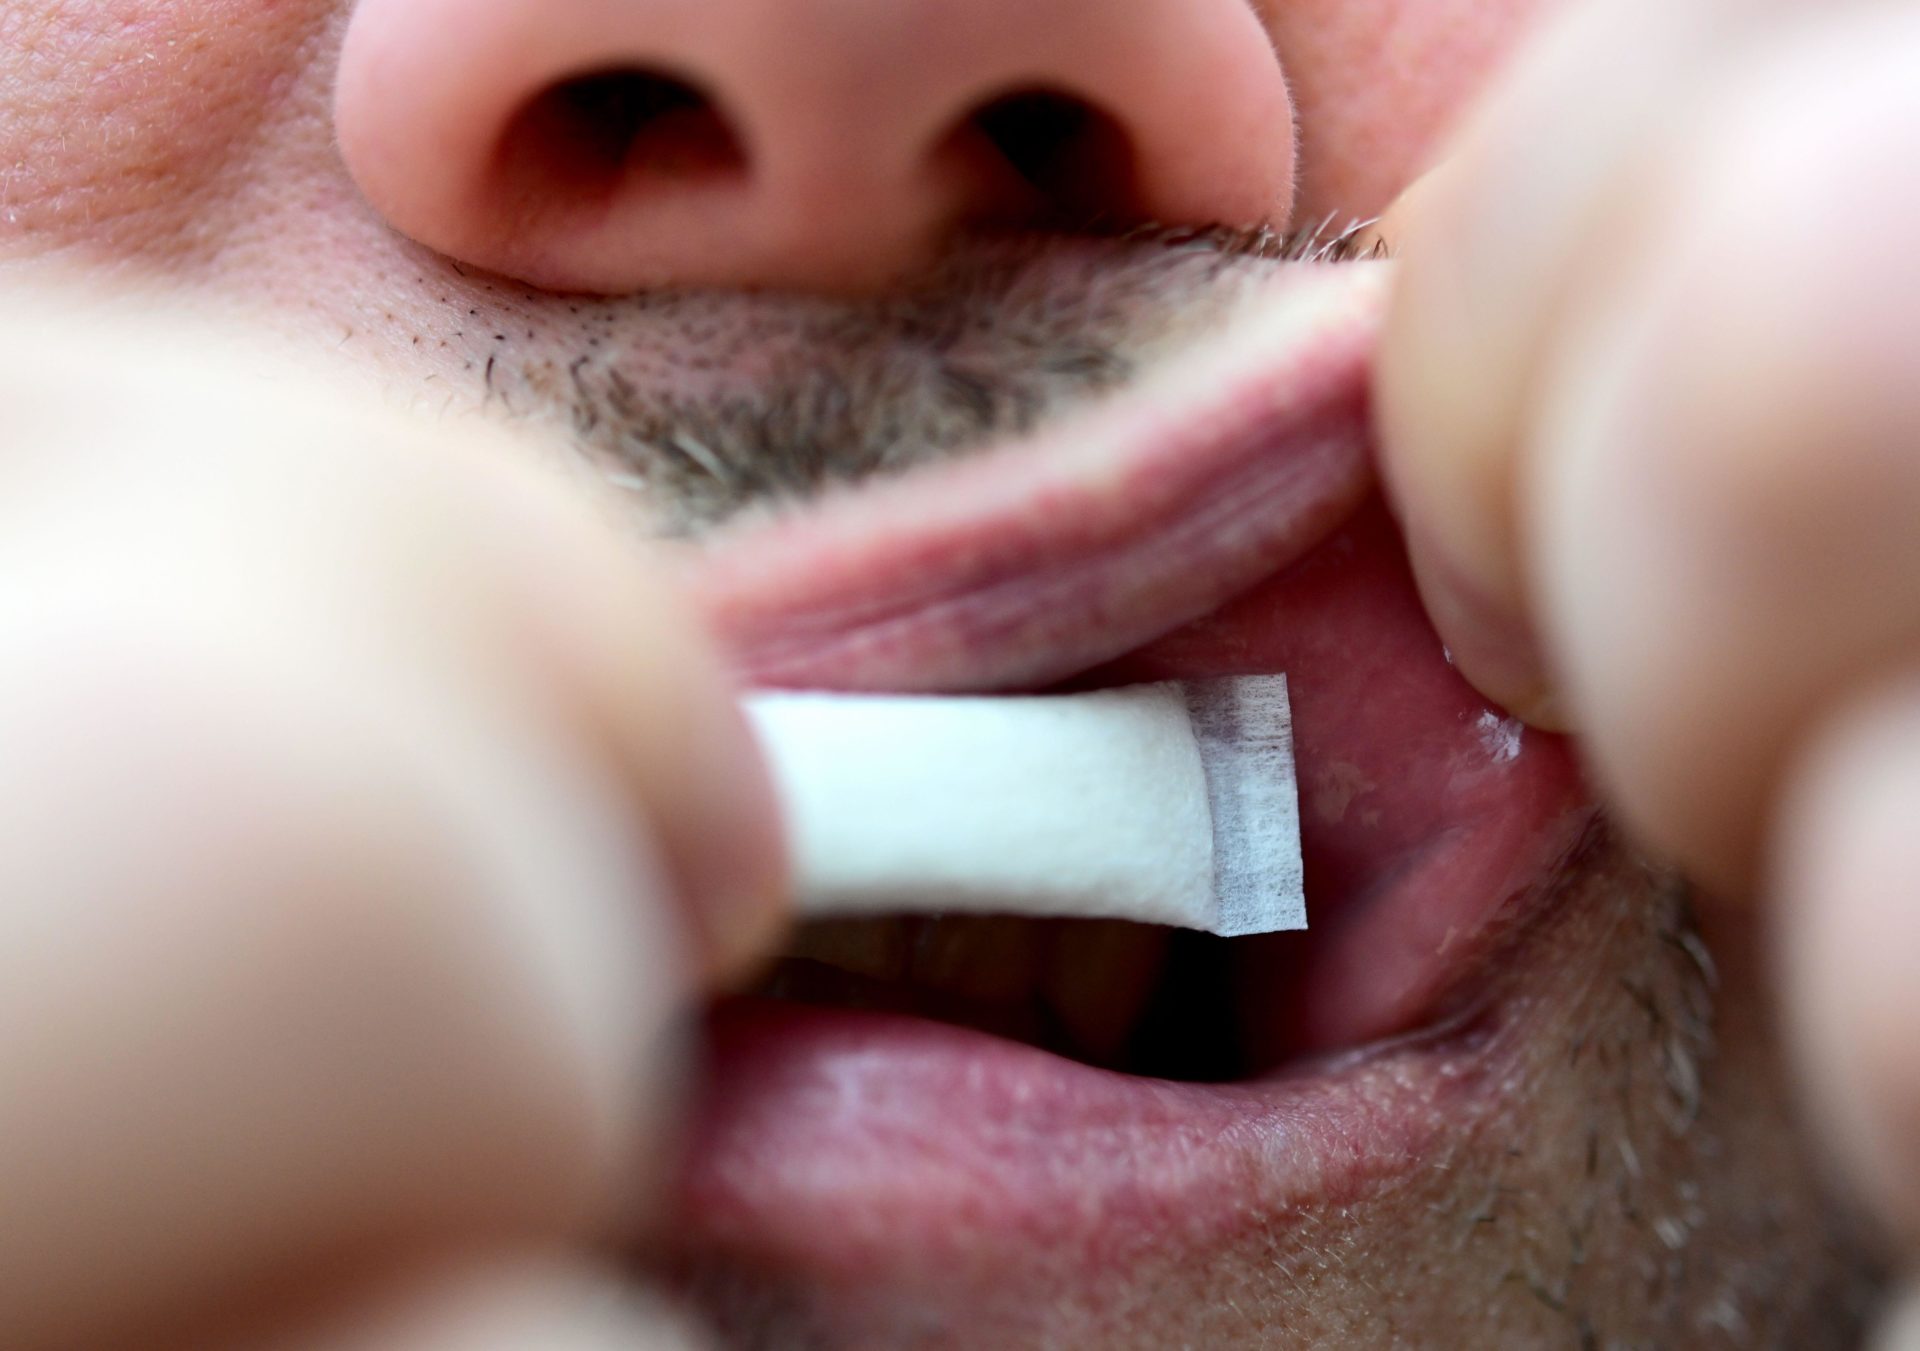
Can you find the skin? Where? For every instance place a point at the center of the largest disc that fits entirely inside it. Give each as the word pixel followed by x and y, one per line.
pixel 1623 468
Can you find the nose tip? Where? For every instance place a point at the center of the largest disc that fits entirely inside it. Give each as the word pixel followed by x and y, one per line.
pixel 616 145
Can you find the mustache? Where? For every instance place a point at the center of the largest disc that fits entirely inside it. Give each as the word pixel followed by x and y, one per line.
pixel 767 401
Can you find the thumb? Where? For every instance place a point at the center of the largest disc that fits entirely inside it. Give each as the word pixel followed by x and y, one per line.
pixel 366 804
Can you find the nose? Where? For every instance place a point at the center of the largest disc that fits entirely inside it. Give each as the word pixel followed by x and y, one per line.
pixel 615 145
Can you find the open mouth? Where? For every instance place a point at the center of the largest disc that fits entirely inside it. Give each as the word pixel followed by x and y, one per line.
pixel 902 1090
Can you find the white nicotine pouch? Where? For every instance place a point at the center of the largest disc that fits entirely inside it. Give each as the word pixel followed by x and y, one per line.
pixel 1170 804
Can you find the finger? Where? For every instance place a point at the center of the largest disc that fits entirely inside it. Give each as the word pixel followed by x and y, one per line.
pixel 444 539
pixel 296 965
pixel 335 923
pixel 1848 877
pixel 549 1303
pixel 1514 230
pixel 1727 458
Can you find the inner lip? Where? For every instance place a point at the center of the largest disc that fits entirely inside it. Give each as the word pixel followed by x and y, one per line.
pixel 1136 998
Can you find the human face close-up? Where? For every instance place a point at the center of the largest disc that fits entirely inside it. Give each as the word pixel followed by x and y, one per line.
pixel 957 346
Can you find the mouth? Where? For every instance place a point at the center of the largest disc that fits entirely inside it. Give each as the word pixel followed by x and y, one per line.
pixel 917 1100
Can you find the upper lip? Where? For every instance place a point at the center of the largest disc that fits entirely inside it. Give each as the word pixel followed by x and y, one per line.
pixel 1045 557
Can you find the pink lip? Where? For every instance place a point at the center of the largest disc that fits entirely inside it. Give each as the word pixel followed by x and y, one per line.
pixel 854 1147
pixel 1218 523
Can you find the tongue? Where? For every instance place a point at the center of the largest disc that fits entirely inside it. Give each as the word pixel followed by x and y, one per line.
pixel 1426 815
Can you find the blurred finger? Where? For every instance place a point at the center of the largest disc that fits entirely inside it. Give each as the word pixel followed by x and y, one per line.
pixel 267 490
pixel 357 793
pixel 1542 193
pixel 293 968
pixel 1726 471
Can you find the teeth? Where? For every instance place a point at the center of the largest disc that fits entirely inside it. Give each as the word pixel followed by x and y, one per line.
pixel 879 948
pixel 1099 978
pixel 1078 986
pixel 988 960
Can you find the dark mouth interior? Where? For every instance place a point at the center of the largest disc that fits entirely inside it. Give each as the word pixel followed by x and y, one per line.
pixel 1139 999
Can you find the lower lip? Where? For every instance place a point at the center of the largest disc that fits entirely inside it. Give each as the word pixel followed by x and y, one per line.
pixel 841 1147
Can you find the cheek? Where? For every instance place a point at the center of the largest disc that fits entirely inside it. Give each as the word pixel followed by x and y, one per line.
pixel 127 119
pixel 1378 84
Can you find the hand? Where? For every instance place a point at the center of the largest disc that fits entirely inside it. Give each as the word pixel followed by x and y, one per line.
pixel 1651 415
pixel 370 811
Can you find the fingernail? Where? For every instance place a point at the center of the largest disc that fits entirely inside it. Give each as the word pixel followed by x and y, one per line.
pixel 1488 641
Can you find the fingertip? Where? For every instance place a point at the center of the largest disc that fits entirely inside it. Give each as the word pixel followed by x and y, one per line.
pixel 1488 641
pixel 1546 708
pixel 712 797
pixel 742 905
pixel 603 617
pixel 1446 408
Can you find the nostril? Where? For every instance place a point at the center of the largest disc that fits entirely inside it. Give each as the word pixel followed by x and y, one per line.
pixel 595 134
pixel 616 146
pixel 1073 163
